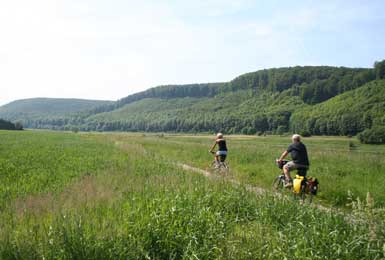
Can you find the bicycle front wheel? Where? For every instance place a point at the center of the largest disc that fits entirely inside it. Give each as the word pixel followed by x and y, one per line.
pixel 278 183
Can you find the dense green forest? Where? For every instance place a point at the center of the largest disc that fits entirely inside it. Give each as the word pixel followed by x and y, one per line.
pixel 345 114
pixel 6 125
pixel 311 99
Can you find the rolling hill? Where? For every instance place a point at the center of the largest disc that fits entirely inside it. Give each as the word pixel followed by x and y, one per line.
pixel 254 102
pixel 271 100
pixel 31 111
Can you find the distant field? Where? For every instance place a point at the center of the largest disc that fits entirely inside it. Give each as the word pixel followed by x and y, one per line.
pixel 121 195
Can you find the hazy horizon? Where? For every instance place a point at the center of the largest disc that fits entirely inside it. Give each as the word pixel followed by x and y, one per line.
pixel 106 51
pixel 41 97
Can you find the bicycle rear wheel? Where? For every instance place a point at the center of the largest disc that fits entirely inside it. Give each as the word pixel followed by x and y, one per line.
pixel 224 168
pixel 305 195
pixel 214 165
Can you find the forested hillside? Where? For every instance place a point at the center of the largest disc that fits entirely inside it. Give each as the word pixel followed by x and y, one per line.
pixel 233 112
pixel 255 102
pixel 345 114
pixel 271 100
pixel 40 112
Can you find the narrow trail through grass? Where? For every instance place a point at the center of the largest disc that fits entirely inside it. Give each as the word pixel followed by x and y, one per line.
pixel 257 190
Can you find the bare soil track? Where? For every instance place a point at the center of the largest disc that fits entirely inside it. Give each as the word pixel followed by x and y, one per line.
pixel 255 189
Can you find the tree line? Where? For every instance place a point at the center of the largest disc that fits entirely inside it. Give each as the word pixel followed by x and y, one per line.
pixel 7 125
pixel 318 100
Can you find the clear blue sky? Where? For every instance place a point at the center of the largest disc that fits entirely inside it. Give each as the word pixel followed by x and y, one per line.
pixel 109 49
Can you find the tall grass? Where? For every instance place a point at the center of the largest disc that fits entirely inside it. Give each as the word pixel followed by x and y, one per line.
pixel 35 162
pixel 139 205
pixel 339 169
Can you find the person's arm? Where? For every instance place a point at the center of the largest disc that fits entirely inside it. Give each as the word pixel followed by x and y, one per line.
pixel 283 155
pixel 212 148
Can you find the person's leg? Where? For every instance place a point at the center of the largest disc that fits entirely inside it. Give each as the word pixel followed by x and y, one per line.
pixel 286 170
pixel 217 157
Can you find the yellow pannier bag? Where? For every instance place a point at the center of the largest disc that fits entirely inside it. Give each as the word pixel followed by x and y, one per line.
pixel 297 183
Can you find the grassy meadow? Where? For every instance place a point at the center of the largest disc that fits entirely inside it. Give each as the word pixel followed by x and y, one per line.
pixel 122 196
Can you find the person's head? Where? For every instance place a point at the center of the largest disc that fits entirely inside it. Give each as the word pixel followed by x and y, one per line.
pixel 219 135
pixel 296 138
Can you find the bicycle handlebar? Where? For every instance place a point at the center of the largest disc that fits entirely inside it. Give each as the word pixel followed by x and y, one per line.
pixel 281 164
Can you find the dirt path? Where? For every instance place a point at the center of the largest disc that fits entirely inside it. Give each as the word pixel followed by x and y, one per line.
pixel 255 189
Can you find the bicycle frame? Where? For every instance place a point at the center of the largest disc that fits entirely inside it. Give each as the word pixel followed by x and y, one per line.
pixel 220 165
pixel 303 185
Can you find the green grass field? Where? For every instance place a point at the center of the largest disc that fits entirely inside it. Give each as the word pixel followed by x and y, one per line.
pixel 122 196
